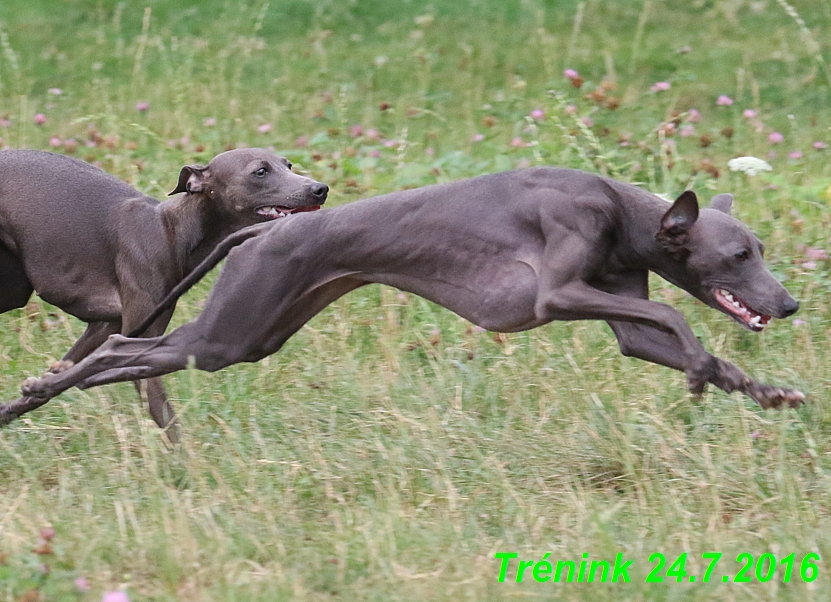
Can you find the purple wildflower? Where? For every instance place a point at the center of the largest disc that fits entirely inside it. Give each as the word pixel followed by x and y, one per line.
pixel 724 101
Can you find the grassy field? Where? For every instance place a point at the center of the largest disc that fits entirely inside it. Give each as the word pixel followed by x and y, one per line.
pixel 391 449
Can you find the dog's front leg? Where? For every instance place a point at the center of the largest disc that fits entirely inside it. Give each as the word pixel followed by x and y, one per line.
pixel 569 290
pixel 649 330
pixel 152 390
pixel 660 347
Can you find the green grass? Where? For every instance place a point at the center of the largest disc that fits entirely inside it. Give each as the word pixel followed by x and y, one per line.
pixel 389 450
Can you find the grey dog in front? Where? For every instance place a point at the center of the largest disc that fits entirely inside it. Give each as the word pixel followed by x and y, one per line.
pixel 107 254
pixel 508 251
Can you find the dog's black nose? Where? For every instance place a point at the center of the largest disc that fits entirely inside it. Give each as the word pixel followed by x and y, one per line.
pixel 790 307
pixel 320 190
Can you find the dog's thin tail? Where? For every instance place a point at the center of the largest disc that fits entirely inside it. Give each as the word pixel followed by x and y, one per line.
pixel 196 274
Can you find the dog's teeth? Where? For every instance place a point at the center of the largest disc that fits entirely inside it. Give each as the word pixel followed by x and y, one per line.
pixel 737 305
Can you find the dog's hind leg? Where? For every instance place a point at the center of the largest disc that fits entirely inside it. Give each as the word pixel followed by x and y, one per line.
pixel 95 334
pixel 122 358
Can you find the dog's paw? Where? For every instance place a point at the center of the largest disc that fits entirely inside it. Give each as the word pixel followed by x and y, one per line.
pixel 34 387
pixel 769 396
pixel 60 366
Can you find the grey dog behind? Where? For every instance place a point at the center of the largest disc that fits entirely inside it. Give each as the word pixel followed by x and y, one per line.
pixel 107 254
pixel 508 251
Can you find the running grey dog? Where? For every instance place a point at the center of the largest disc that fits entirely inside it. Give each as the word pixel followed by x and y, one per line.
pixel 107 254
pixel 509 252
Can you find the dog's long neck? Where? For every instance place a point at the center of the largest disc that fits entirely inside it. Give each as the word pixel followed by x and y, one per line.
pixel 193 228
pixel 641 222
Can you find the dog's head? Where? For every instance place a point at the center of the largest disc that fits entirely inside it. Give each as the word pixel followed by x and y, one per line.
pixel 720 261
pixel 253 185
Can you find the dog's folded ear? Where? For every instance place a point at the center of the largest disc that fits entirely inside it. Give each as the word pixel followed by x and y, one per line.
pixel 676 223
pixel 722 202
pixel 191 179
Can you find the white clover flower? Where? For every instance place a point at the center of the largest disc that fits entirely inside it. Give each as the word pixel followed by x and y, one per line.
pixel 749 165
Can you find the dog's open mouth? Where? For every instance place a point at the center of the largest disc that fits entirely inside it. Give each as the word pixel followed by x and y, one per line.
pixel 741 311
pixel 278 211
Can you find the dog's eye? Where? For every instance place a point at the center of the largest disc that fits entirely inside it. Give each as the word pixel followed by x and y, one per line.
pixel 288 164
pixel 261 172
pixel 743 255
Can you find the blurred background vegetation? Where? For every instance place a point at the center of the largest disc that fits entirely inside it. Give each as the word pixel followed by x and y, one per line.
pixel 391 448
